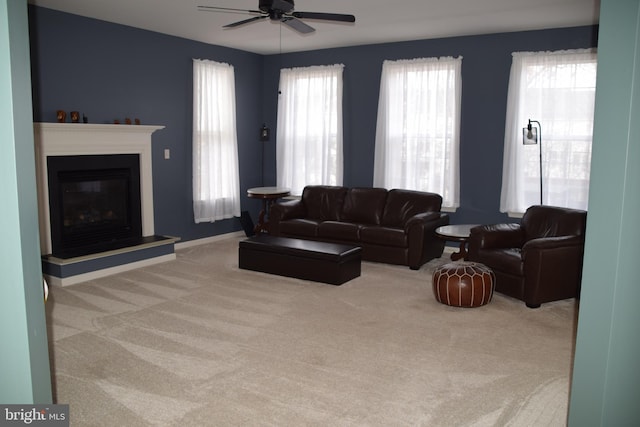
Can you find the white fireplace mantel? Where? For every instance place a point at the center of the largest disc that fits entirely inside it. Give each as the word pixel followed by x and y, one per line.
pixel 72 139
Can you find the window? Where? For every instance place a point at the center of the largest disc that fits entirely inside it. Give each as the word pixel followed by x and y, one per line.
pixel 418 128
pixel 556 89
pixel 216 184
pixel 309 138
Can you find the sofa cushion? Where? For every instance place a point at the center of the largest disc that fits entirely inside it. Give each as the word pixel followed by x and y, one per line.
pixel 335 230
pixel 385 236
pixel 299 227
pixel 323 202
pixel 403 204
pixel 364 205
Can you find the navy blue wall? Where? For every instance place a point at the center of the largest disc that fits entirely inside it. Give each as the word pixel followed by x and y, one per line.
pixel 109 71
pixel 485 76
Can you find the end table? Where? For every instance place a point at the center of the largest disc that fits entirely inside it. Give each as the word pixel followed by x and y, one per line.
pixel 268 196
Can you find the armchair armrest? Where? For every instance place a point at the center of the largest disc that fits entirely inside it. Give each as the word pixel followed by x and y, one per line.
pixel 543 243
pixel 553 268
pixel 496 236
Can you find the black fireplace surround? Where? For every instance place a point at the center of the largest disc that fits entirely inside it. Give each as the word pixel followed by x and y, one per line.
pixel 94 203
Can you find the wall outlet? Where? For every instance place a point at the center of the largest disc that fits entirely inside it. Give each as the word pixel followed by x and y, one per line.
pixel 167 154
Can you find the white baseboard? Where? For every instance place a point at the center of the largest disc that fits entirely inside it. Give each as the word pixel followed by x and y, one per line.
pixel 212 239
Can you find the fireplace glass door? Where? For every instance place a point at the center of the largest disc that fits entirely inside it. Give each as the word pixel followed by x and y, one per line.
pixel 94 203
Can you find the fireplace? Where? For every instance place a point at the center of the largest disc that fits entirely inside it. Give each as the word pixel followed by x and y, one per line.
pixel 94 203
pixel 70 142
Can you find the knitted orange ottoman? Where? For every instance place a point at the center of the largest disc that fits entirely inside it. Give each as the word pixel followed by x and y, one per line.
pixel 463 284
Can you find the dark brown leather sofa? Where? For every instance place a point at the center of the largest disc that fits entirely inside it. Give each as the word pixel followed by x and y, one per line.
pixel 395 226
pixel 538 260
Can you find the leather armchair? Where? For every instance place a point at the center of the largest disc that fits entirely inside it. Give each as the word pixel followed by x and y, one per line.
pixel 537 260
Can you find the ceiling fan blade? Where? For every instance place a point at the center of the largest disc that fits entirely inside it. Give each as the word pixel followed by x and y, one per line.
pixel 297 25
pixel 325 16
pixel 281 5
pixel 244 21
pixel 226 10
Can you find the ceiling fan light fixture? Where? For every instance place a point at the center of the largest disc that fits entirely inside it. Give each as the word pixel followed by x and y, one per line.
pixel 281 10
pixel 284 6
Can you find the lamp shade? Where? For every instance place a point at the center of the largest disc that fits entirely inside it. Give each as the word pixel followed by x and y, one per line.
pixel 530 135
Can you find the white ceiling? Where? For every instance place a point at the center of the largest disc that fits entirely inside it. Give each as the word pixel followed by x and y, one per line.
pixel 376 20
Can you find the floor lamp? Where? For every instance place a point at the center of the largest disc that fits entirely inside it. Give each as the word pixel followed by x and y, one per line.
pixel 532 135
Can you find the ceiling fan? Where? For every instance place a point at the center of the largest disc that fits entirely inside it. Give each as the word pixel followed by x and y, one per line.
pixel 280 10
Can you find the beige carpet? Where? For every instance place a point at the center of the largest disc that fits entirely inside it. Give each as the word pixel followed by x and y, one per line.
pixel 198 342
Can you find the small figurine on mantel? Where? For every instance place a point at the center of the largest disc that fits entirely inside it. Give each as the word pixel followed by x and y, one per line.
pixel 127 121
pixel 137 121
pixel 85 119
pixel 116 122
pixel 61 115
pixel 75 117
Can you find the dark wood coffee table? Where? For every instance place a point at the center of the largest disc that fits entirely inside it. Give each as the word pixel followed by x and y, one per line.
pixel 456 233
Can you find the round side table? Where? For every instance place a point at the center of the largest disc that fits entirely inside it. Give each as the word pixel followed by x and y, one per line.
pixel 456 233
pixel 268 196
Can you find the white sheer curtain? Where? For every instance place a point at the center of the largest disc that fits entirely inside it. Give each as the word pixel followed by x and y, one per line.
pixel 556 89
pixel 418 127
pixel 309 134
pixel 216 184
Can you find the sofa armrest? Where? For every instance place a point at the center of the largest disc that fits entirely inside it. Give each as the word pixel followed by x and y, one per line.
pixel 288 209
pixel 422 242
pixel 282 211
pixel 422 219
